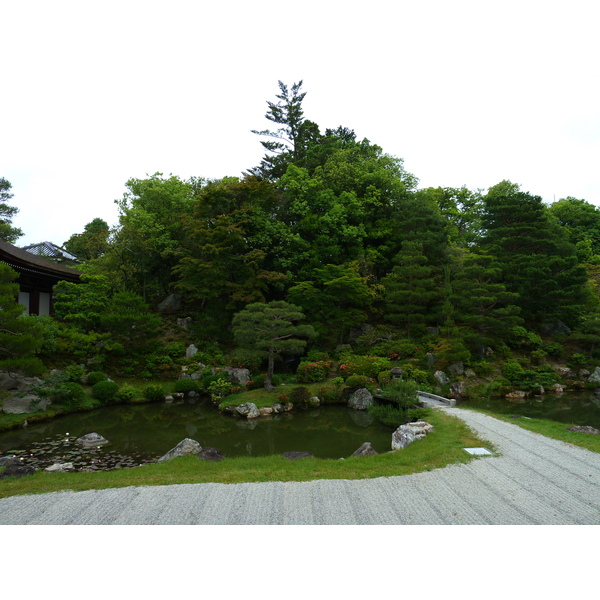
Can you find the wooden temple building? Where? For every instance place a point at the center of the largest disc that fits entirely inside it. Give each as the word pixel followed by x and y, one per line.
pixel 36 277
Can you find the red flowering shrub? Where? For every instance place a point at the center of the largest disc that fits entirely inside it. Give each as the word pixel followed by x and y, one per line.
pixel 312 372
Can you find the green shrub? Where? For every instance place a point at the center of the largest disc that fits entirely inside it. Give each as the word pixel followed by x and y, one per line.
pixel 538 355
pixel 578 359
pixel 30 366
pixel 316 356
pixel 331 394
pixel 512 370
pixel 154 393
pixel 69 394
pixel 369 366
pixel 555 349
pixel 312 372
pixel 417 414
pixel 402 393
pixel 482 368
pixel 75 373
pixel 300 396
pixel 359 381
pixel 105 391
pixel 418 375
pixel 219 389
pixel 185 386
pixel 175 350
pixel 161 366
pixel 126 393
pixel 244 359
pixel 258 382
pixel 520 337
pixel 384 378
pixel 96 376
pixel 389 415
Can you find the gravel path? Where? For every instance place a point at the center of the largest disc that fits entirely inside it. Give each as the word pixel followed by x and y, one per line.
pixel 536 480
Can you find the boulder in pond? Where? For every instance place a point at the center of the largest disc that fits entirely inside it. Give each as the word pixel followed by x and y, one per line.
pixel 409 432
pixel 186 446
pixel 517 396
pixel 365 450
pixel 248 410
pixel 89 440
pixel 361 399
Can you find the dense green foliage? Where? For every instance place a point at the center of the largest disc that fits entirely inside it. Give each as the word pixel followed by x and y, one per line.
pixel 8 232
pixel 20 336
pixel 326 249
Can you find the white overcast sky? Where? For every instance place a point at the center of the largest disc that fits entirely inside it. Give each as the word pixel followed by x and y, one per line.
pixel 466 92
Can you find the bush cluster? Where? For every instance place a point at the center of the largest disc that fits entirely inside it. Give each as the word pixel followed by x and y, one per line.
pixel 360 381
pixel 105 391
pixel 313 372
pixel 185 386
pixel 369 366
pixel 95 377
pixel 154 393
pixel 300 396
pixel 258 382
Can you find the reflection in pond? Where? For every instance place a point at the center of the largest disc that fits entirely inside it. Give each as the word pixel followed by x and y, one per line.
pixel 148 431
pixel 581 408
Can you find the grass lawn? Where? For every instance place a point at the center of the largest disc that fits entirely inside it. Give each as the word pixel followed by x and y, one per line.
pixel 440 448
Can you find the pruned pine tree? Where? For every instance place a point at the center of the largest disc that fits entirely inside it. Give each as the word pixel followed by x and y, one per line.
pixel 270 330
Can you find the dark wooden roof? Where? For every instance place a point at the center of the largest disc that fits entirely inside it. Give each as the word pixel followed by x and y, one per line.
pixel 25 262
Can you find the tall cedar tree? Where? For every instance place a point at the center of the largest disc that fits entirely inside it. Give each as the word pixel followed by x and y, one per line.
pixel 483 307
pixel 536 260
pixel 410 289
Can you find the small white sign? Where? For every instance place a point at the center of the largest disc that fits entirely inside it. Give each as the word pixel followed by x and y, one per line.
pixel 478 451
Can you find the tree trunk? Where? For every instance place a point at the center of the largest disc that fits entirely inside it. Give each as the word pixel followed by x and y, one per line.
pixel 268 381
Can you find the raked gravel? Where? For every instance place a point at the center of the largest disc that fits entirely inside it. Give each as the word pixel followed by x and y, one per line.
pixel 534 480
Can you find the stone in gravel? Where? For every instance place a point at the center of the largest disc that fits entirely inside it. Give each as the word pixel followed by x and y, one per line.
pixel 186 446
pixel 365 450
pixel 294 454
pixel 584 429
pixel 90 440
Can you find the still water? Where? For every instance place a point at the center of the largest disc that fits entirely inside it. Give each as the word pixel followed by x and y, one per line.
pixel 151 430
pixel 581 408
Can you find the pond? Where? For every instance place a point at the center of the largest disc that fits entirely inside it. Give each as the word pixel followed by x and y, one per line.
pixel 580 408
pixel 139 434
